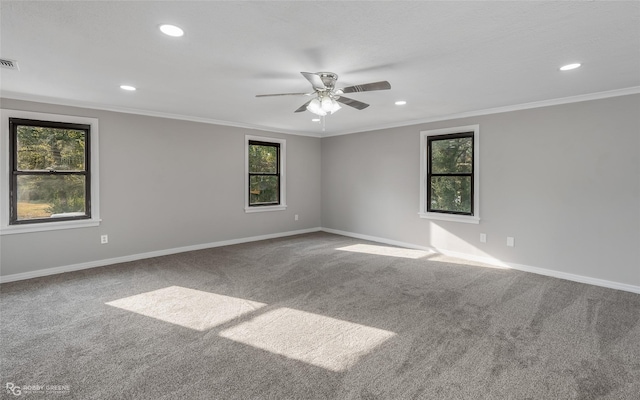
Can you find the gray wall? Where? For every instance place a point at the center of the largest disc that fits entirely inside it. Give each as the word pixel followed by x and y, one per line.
pixel 166 184
pixel 563 180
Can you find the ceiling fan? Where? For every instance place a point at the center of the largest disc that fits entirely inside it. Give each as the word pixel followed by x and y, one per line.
pixel 326 96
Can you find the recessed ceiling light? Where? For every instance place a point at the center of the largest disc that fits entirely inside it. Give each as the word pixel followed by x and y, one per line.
pixel 315 120
pixel 127 87
pixel 570 67
pixel 171 30
pixel 401 102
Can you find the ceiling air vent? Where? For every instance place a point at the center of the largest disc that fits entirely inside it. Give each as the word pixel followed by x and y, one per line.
pixel 10 64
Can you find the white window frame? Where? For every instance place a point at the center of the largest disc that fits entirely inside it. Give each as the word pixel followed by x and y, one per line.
pixel 470 219
pixel 5 170
pixel 283 172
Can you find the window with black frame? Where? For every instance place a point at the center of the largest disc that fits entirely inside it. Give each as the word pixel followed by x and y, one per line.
pixel 50 171
pixel 264 173
pixel 450 173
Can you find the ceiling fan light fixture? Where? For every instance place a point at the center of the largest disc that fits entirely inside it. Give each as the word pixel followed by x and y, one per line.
pixel 327 104
pixel 315 107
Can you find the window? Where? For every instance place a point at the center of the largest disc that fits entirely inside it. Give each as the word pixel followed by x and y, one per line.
pixel 264 173
pixel 50 173
pixel 50 179
pixel 449 174
pixel 264 177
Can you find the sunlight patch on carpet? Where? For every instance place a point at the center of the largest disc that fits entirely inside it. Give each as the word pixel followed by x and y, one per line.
pixel 186 307
pixel 455 261
pixel 322 341
pixel 385 251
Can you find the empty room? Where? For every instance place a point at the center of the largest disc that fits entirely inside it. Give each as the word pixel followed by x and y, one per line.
pixel 320 200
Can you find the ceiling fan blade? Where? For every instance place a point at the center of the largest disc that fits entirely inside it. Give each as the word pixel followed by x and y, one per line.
pixel 303 107
pixel 367 87
pixel 353 103
pixel 284 94
pixel 314 79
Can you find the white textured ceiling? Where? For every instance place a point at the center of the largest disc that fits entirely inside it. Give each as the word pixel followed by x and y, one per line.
pixel 443 58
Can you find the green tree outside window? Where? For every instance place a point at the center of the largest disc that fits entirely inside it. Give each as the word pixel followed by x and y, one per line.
pixel 450 173
pixel 264 173
pixel 50 170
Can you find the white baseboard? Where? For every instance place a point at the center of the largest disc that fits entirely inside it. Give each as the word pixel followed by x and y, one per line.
pixel 135 257
pixel 469 257
pixel 495 262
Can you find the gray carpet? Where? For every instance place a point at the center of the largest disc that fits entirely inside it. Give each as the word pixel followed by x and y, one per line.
pixel 316 317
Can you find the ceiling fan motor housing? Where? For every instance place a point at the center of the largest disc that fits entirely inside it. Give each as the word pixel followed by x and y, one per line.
pixel 328 78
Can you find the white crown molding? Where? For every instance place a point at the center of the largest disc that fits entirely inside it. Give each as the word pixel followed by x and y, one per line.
pixel 147 113
pixel 488 111
pixel 497 110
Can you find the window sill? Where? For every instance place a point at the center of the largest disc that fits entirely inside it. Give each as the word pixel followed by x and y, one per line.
pixel 264 209
pixel 467 219
pixel 48 226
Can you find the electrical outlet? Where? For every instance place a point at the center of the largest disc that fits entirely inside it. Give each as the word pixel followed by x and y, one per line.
pixel 483 238
pixel 104 239
pixel 511 242
pixel 295 217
